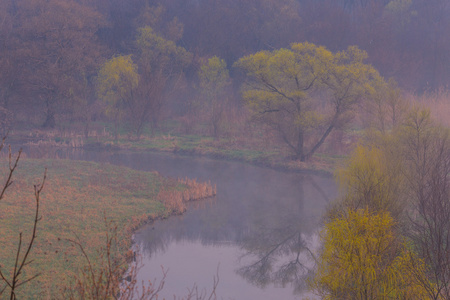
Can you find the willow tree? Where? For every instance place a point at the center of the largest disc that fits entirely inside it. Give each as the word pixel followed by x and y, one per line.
pixel 214 79
pixel 161 67
pixel 373 179
pixel 364 258
pixel 305 92
pixel 116 86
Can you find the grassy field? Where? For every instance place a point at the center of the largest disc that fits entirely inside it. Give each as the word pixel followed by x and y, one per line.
pixel 76 200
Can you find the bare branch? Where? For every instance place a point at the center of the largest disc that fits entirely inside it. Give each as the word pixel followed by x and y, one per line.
pixel 12 168
pixel 3 142
pixel 20 264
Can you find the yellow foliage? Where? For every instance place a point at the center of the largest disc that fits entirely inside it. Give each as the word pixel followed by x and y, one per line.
pixel 373 179
pixel 214 78
pixel 363 258
pixel 116 81
pixel 159 54
pixel 283 87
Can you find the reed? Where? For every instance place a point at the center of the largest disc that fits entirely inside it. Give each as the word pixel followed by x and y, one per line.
pixel 176 193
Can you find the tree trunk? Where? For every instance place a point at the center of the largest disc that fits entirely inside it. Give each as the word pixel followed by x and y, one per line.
pixel 322 139
pixel 299 152
pixel 86 128
pixel 50 120
pixel 116 127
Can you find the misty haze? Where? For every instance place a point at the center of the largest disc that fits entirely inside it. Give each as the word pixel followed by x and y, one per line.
pixel 234 149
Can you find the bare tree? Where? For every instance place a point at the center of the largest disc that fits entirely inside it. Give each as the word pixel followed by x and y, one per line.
pixel 196 294
pixel 16 279
pixel 105 276
pixel 428 173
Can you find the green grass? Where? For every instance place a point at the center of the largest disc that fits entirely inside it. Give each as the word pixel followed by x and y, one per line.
pixel 254 149
pixel 76 199
pixel 226 148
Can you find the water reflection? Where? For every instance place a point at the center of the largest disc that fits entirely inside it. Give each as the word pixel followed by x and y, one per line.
pixel 261 226
pixel 281 249
pixel 269 218
pixel 280 256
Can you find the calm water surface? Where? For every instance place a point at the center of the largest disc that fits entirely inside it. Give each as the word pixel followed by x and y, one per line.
pixel 256 234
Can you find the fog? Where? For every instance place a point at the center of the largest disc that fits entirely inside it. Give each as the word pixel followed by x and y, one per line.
pixel 265 99
pixel 49 69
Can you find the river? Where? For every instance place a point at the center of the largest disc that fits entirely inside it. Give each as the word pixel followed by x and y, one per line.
pixel 256 235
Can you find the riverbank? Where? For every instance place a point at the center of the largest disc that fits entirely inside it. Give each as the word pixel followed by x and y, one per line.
pixel 251 150
pixel 273 157
pixel 78 202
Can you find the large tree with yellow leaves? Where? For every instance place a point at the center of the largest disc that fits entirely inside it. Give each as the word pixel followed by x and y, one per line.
pixel 305 92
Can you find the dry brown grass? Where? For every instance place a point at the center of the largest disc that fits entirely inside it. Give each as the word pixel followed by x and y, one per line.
pixel 438 102
pixel 175 199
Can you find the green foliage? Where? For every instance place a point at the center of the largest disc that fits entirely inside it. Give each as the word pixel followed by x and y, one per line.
pixel 214 77
pixel 138 89
pixel 373 179
pixel 161 65
pixel 306 91
pixel 116 86
pixel 363 258
pixel 401 173
pixel 116 81
pixel 159 54
pixel 401 10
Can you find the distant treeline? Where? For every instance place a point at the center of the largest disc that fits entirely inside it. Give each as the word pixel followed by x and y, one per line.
pixel 51 51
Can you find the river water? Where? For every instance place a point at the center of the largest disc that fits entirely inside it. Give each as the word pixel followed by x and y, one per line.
pixel 255 236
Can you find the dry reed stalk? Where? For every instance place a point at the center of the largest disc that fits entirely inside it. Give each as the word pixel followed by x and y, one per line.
pixel 175 200
pixel 172 200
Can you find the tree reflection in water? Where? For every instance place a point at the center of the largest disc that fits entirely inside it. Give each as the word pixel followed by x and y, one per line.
pixel 279 256
pixel 282 253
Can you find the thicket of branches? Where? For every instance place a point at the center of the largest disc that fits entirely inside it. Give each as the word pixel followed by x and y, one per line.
pixel 401 178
